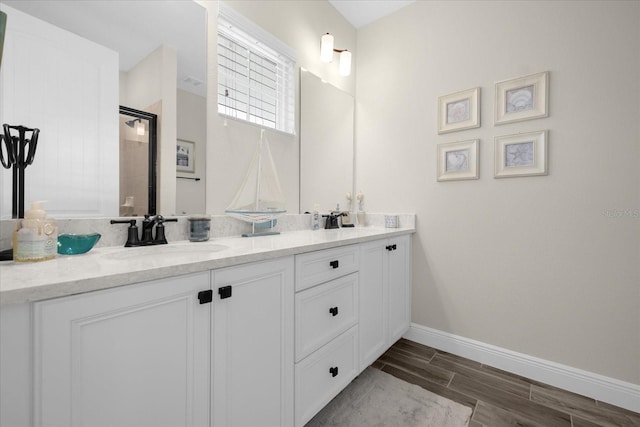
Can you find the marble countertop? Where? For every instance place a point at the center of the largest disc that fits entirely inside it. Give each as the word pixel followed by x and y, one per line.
pixel 109 267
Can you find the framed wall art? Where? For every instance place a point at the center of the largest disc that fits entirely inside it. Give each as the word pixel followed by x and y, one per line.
pixel 524 98
pixel 458 111
pixel 523 154
pixel 185 156
pixel 458 160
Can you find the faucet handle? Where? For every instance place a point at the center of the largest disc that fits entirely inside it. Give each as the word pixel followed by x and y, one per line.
pixel 160 238
pixel 132 231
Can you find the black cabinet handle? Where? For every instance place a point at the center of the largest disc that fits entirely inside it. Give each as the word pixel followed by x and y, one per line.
pixel 333 371
pixel 333 311
pixel 224 292
pixel 205 296
pixel 389 248
pixel 334 264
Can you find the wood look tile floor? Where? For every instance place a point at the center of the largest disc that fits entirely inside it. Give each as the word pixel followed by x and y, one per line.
pixel 498 398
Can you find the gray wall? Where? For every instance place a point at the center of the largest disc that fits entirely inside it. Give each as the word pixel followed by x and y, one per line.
pixel 547 266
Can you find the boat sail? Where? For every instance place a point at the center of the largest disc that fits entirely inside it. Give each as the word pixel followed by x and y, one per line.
pixel 259 200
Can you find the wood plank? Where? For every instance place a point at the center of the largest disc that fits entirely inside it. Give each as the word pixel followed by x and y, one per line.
pixel 489 415
pixel 431 386
pixel 461 360
pixel 521 389
pixel 509 375
pixel 417 367
pixel 584 407
pixel 579 422
pixel 633 415
pixel 533 411
pixel 377 364
pixel 415 348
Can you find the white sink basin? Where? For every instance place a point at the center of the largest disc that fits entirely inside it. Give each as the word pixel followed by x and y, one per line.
pixel 183 249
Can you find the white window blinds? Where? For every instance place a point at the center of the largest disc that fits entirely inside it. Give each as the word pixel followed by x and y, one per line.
pixel 255 74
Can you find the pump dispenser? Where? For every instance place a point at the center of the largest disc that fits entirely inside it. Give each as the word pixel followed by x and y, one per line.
pixel 35 237
pixel 315 217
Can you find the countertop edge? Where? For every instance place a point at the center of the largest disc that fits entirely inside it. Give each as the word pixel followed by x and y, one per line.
pixel 58 289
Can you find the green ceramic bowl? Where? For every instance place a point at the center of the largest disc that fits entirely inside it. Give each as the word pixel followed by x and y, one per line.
pixel 74 244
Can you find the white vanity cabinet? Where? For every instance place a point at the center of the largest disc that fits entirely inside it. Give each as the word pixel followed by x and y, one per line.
pixel 253 345
pixel 135 355
pixel 326 327
pixel 264 343
pixel 385 295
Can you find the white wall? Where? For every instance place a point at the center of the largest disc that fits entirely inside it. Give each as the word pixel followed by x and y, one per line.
pixel 541 265
pixel 299 24
pixel 66 86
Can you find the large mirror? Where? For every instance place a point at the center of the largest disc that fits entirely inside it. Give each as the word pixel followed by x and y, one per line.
pixel 326 144
pixel 143 34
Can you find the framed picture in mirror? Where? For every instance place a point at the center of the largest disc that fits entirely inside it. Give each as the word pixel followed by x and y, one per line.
pixel 185 156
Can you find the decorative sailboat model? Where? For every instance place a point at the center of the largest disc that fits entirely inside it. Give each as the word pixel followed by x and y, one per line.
pixel 259 200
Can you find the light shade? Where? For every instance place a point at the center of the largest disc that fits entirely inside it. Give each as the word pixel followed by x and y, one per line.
pixel 345 63
pixel 326 48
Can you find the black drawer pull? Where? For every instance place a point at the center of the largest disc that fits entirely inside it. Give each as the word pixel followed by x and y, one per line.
pixel 333 371
pixel 333 311
pixel 394 247
pixel 205 297
pixel 334 264
pixel 224 292
pixel 391 247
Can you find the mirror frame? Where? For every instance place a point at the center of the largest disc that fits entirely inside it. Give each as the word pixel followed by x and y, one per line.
pixel 153 151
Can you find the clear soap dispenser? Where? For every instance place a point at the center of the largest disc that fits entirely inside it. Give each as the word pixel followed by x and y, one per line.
pixel 35 237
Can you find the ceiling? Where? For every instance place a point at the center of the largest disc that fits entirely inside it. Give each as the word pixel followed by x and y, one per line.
pixel 362 12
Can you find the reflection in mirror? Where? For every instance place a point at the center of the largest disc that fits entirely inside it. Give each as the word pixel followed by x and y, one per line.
pixel 138 154
pixel 78 95
pixel 326 144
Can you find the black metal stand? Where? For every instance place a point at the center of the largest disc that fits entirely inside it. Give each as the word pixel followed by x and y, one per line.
pixel 20 152
pixel 17 152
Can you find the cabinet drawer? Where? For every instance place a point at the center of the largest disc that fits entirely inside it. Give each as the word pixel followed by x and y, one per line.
pixel 322 375
pixel 317 267
pixel 324 312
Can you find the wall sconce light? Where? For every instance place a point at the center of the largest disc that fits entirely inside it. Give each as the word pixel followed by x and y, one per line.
pixel 326 54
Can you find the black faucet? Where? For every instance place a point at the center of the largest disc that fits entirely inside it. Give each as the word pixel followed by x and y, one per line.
pixel 332 220
pixel 147 230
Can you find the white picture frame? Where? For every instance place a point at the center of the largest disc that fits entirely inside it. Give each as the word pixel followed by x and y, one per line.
pixel 523 98
pixel 458 160
pixel 459 111
pixel 185 156
pixel 523 154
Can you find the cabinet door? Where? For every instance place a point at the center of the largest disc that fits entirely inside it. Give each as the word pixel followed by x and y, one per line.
pixel 253 345
pixel 132 356
pixel 399 277
pixel 373 302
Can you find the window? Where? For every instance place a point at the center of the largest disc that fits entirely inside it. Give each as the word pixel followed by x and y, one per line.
pixel 255 74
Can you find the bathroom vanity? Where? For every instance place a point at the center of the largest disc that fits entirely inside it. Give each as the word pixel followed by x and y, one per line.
pixel 231 332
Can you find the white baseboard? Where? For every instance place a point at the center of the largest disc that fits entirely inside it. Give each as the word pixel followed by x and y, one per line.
pixel 619 393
